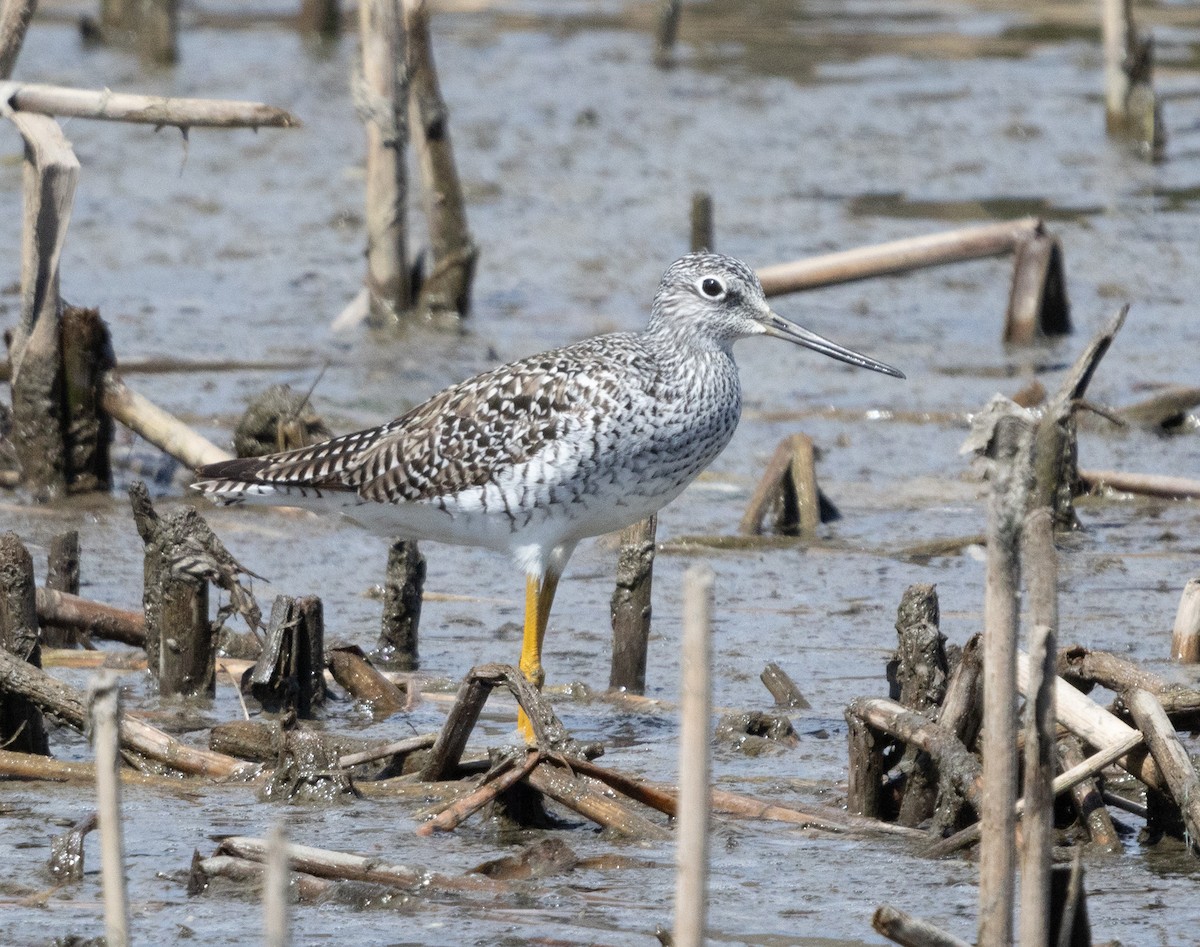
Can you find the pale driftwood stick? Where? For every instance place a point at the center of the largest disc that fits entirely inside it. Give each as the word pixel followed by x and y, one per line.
pixel 21 724
pixel 1009 449
pixel 898 256
pixel 1151 485
pixel 123 661
pixel 409 745
pixel 31 766
pixel 582 795
pixel 382 100
pixel 462 809
pixel 446 288
pixel 1171 756
pixel 15 16
pixel 902 928
pixel 1040 568
pixel 324 863
pixel 1089 803
pixel 1077 774
pixel 104 707
pixel 1095 725
pixel 93 618
pixel 1185 637
pixel 691 846
pixel 50 174
pixel 32 98
pixel 1165 409
pixel 631 606
pixel 275 889
pixel 66 704
pixel 163 430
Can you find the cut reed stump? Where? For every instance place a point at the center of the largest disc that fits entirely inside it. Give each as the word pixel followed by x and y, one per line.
pixel 290 673
pixel 1132 110
pixel 918 674
pixel 1185 637
pixel 21 726
pixel 788 492
pixel 403 591
pixel 631 606
pixel 702 236
pixel 182 556
pixel 665 34
pixel 15 16
pixel 1037 304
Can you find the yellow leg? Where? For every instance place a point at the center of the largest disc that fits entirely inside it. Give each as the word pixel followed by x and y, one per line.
pixel 539 596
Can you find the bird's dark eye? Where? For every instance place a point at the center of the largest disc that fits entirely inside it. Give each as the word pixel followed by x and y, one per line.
pixel 712 287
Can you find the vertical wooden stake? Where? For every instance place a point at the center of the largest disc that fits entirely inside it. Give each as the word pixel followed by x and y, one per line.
pixel 702 221
pixel 1009 449
pixel 1185 638
pixel 446 289
pixel 631 607
pixel 104 704
pixel 691 858
pixel 668 30
pixel 275 889
pixel 382 101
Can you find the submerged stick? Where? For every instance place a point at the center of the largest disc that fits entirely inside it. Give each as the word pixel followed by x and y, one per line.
pixel 902 928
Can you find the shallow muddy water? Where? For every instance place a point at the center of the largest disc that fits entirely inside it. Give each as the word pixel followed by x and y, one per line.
pixel 815 127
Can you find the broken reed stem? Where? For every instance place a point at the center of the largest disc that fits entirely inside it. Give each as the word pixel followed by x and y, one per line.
pixel 691 847
pixel 104 708
pixel 143 109
pixel 1150 485
pixel 702 219
pixel 15 16
pixel 275 889
pixel 94 619
pixel 1009 450
pixel 1185 636
pixel 898 256
pixel 1040 568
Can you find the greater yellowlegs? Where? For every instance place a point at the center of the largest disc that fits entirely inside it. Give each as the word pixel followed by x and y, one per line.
pixel 532 457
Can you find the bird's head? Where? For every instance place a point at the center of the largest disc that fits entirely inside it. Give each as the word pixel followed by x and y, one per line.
pixel 712 299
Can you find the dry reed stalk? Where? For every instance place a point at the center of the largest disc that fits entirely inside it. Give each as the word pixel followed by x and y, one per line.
pixel 275 889
pixel 695 753
pixel 160 428
pixel 104 709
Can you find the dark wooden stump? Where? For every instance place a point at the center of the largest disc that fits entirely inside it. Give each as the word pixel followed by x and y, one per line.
pixel 290 673
pixel 87 356
pixel 62 575
pixel 631 607
pixel 180 640
pixel 403 590
pixel 21 726
pixel 1038 307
